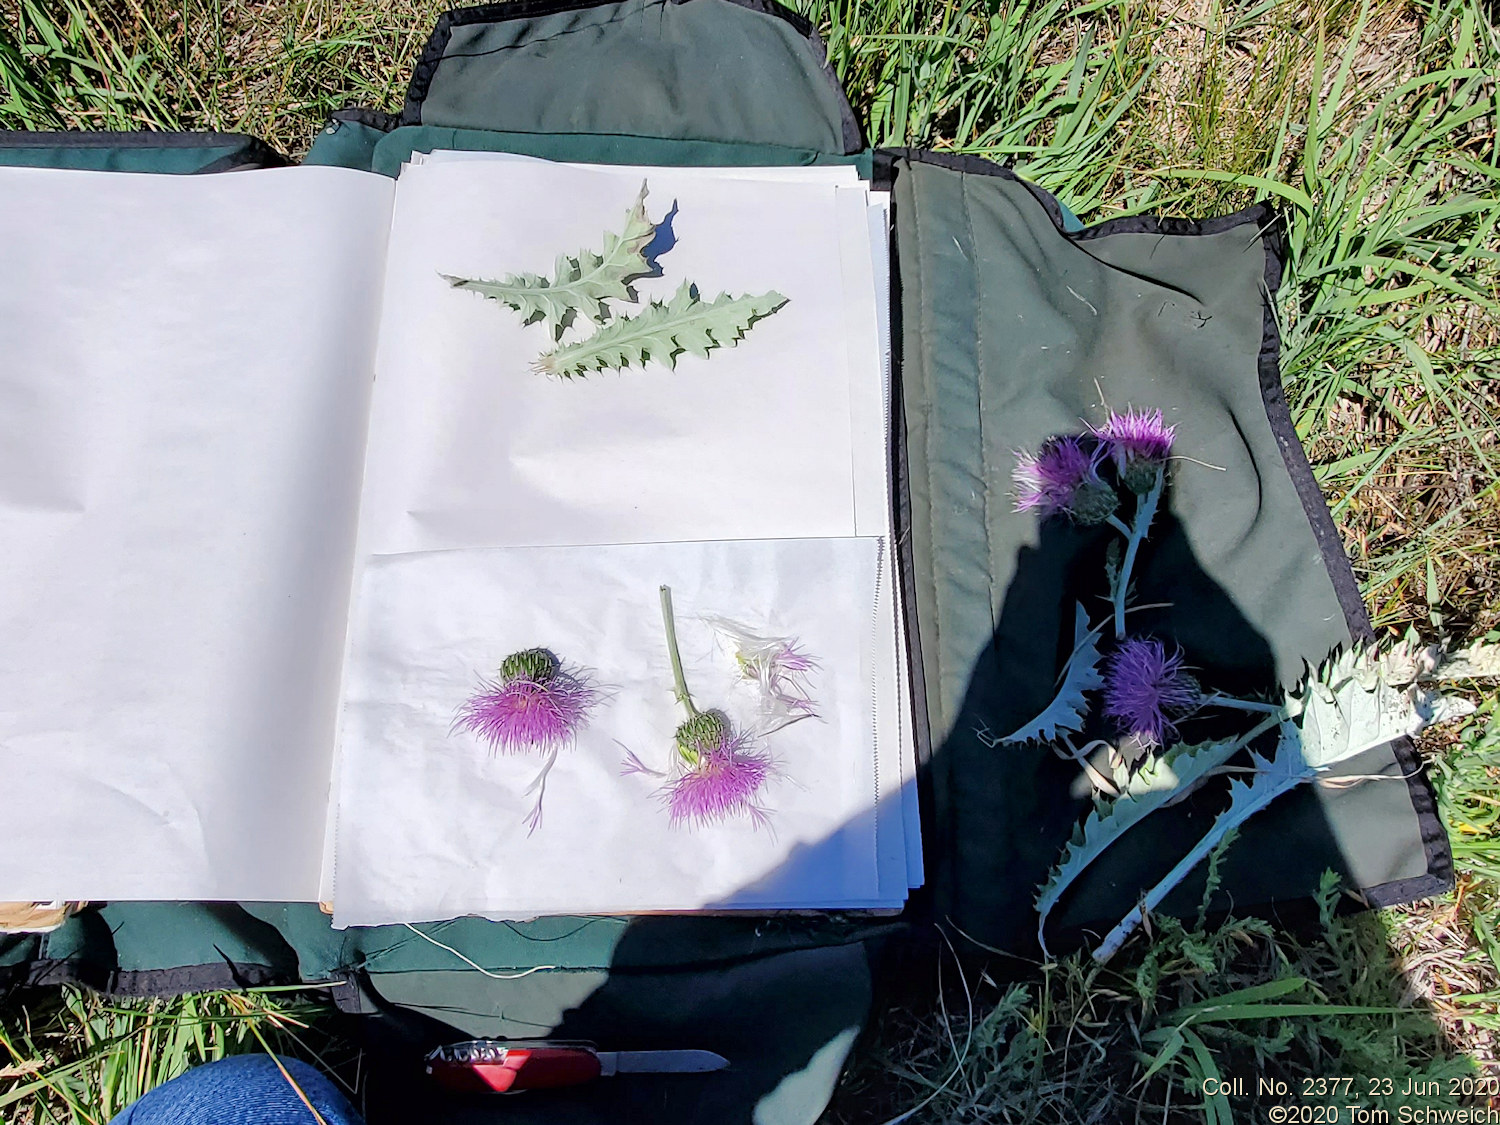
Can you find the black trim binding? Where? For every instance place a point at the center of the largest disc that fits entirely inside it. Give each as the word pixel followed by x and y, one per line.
pixel 1435 843
pixel 437 45
pixel 253 152
pixel 217 976
pixel 363 115
pixel 1436 847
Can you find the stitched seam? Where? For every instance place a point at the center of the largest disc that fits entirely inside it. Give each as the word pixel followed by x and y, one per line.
pixel 979 381
pixel 929 403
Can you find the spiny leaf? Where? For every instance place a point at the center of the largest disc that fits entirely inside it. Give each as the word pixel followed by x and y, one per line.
pixel 581 285
pixel 662 332
pixel 1161 781
pixel 1348 707
pixel 1410 661
pixel 1068 708
pixel 1271 779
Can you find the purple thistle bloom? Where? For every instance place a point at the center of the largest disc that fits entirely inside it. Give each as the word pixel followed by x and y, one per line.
pixel 1064 477
pixel 1145 688
pixel 722 783
pixel 534 704
pixel 1138 442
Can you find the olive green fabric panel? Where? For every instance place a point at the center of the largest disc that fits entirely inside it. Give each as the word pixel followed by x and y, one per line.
pixel 709 70
pixel 396 148
pixel 785 1022
pixel 1011 332
pixel 170 153
pixel 202 945
pixel 346 144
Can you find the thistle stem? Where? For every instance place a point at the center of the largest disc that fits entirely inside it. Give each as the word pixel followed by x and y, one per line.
pixel 1135 535
pixel 1229 701
pixel 1119 525
pixel 678 679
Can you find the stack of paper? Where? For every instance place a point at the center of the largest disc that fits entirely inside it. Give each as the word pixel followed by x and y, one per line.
pixel 506 508
pixel 289 471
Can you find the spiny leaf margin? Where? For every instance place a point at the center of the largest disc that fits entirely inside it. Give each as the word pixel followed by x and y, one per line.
pixel 1068 708
pixel 1158 783
pixel 582 284
pixel 661 332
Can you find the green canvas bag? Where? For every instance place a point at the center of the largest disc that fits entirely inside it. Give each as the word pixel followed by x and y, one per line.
pixel 1007 313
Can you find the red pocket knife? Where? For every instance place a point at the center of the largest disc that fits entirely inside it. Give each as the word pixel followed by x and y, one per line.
pixel 497 1066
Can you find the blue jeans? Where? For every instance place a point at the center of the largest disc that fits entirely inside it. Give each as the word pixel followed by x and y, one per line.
pixel 241 1090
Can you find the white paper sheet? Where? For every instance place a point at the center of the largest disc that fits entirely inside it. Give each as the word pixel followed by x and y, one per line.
pixel 470 447
pixel 432 822
pixel 185 372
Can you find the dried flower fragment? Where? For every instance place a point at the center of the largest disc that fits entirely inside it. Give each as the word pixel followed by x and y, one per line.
pixel 777 666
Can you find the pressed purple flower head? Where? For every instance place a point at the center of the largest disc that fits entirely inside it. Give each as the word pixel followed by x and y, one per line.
pixel 1138 442
pixel 1064 477
pixel 721 781
pixel 1145 688
pixel 534 704
pixel 777 666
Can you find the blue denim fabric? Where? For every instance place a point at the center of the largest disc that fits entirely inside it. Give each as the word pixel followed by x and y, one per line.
pixel 241 1090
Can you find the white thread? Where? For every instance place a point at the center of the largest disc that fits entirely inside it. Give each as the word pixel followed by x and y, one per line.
pixel 473 965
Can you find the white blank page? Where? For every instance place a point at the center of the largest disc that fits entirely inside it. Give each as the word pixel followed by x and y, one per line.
pixel 184 385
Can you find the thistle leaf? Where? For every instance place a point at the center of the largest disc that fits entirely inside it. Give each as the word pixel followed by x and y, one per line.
pixel 581 284
pixel 1159 783
pixel 1068 708
pixel 1272 778
pixel 661 332
pixel 1410 661
pixel 1349 707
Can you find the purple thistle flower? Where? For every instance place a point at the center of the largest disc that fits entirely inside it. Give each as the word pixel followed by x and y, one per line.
pixel 1138 442
pixel 1064 477
pixel 721 781
pixel 1145 688
pixel 534 704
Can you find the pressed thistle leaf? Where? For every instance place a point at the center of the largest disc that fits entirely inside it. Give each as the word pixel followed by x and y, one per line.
pixel 581 284
pixel 1068 708
pixel 1157 784
pixel 661 332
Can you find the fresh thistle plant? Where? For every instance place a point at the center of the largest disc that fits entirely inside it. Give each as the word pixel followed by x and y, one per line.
pixel 1343 709
pixel 535 704
pixel 719 771
pixel 1145 689
pixel 1138 443
pixel 1063 479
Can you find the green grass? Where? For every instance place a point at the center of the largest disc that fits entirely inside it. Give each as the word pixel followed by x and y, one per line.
pixel 1364 996
pixel 71 1056
pixel 1372 123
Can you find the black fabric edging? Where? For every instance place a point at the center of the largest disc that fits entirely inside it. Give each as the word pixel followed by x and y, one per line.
pixel 1436 846
pixel 363 115
pixel 437 45
pixel 252 151
pixel 214 977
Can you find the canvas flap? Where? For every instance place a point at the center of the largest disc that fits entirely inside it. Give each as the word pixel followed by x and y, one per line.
pixel 1014 331
pixel 726 71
